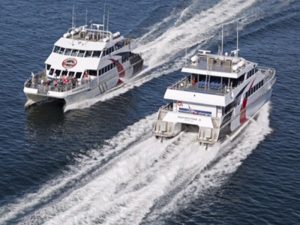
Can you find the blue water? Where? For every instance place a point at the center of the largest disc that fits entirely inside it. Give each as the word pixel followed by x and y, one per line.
pixel 100 165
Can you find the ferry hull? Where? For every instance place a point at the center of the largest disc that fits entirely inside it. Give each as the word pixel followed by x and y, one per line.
pixel 170 123
pixel 87 91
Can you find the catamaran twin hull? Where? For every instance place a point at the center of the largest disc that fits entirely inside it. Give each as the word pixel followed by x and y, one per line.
pixel 218 102
pixel 85 62
pixel 89 87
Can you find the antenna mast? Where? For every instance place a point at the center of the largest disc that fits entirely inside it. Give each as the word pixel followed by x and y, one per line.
pixel 237 38
pixel 73 17
pixel 222 43
pixel 86 16
pixel 104 9
pixel 107 19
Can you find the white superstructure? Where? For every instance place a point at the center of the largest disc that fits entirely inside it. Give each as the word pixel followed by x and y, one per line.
pixel 219 94
pixel 86 62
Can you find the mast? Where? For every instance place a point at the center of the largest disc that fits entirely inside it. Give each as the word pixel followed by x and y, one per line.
pixel 237 38
pixel 73 24
pixel 107 19
pixel 104 9
pixel 86 16
pixel 222 42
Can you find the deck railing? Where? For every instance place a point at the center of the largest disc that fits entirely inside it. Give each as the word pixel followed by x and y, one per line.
pixel 43 85
pixel 187 84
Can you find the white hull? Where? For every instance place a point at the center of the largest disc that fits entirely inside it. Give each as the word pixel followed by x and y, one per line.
pixel 216 103
pixel 93 88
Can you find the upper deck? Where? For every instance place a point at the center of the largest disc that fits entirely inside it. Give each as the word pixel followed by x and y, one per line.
pixel 218 65
pixel 94 32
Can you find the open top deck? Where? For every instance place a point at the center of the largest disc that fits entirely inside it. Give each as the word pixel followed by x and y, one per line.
pixel 94 32
pixel 217 65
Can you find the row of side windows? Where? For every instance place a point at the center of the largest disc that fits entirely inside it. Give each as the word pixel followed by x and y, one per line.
pixel 57 73
pixel 102 71
pixel 107 68
pixel 254 88
pixel 76 52
pixel 251 72
pixel 83 53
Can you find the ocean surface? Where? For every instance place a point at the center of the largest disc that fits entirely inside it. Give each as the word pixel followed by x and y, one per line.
pixel 100 164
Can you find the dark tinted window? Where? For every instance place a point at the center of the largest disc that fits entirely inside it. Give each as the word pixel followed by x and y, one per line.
pixel 88 54
pixel 56 49
pixel 81 53
pixel 61 50
pixel 57 72
pixel 74 52
pixel 68 51
pixel 96 53
pixel 78 75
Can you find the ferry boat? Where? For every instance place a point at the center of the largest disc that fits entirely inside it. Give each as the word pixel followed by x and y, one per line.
pixel 86 62
pixel 218 96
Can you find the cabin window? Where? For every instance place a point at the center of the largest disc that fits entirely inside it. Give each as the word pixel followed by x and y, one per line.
pixel 119 45
pixel 74 52
pixel 250 73
pixel 57 72
pixel 215 83
pixel 51 71
pixel 68 51
pixel 81 53
pixel 78 75
pixel 88 54
pixel 48 66
pixel 234 82
pixel 92 72
pixel 71 74
pixel 125 57
pixel 241 79
pixel 56 49
pixel 225 81
pixel 64 73
pixel 96 54
pixel 61 50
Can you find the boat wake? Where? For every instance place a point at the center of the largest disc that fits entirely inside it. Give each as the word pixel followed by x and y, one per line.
pixel 135 178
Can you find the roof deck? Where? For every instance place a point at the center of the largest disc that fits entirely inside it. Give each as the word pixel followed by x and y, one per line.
pixel 219 65
pixel 94 32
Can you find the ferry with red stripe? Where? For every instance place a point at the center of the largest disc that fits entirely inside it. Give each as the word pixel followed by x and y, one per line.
pixel 217 97
pixel 85 62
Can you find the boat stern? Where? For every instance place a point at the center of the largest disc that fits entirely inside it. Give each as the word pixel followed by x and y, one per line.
pixel 170 123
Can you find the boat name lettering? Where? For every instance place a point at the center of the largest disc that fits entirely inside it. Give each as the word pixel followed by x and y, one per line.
pixel 188 118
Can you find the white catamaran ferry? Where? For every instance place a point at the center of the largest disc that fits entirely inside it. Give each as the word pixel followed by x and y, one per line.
pixel 218 96
pixel 86 62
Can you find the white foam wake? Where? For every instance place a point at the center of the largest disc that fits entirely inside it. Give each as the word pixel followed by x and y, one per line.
pixel 165 53
pixel 148 179
pixel 81 172
pixel 229 159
